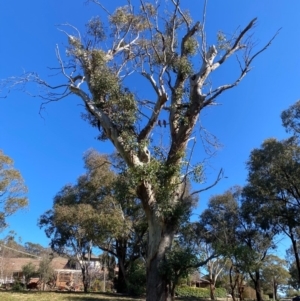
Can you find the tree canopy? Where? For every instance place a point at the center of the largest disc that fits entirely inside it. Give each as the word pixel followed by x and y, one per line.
pixel 12 189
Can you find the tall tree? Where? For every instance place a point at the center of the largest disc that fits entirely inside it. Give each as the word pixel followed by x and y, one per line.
pixel 272 190
pixel 141 39
pixel 12 189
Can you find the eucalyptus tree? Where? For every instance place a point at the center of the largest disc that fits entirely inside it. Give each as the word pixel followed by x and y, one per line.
pixel 232 229
pixel 219 225
pixel 274 275
pixel 12 189
pixel 273 188
pixel 159 42
pixel 100 210
pixel 291 119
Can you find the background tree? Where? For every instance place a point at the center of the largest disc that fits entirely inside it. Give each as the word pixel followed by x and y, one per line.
pixel 274 275
pixel 272 189
pixel 141 39
pixel 45 271
pixel 231 227
pixel 291 119
pixel 12 189
pixel 99 210
pixel 220 224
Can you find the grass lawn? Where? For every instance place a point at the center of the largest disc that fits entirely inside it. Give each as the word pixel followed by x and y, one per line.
pixel 60 296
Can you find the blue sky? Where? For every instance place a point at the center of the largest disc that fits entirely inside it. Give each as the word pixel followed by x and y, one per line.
pixel 48 151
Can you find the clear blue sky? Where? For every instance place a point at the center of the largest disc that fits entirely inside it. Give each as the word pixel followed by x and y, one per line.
pixel 48 151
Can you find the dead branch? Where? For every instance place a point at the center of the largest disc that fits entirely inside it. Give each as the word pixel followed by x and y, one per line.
pixel 244 70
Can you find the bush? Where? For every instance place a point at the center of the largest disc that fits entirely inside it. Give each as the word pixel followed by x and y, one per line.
pixel 220 292
pixel 18 286
pixel 199 292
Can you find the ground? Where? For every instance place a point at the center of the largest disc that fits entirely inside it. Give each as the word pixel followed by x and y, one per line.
pixel 55 296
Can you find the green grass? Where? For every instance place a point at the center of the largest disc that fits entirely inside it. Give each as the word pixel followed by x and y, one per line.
pixel 61 296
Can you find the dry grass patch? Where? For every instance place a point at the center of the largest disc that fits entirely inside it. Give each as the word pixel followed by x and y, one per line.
pixel 59 296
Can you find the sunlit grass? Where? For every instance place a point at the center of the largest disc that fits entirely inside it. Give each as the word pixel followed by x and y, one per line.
pixel 56 296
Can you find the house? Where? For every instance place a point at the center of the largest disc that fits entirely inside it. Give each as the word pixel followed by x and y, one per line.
pixel 200 283
pixel 11 268
pixel 68 272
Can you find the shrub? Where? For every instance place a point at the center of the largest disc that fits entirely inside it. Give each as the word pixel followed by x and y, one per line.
pixel 18 286
pixel 198 292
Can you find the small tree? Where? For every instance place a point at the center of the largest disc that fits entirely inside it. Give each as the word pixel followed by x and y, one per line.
pixel 45 271
pixel 28 270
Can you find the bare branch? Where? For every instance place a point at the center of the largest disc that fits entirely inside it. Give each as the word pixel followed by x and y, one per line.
pixel 152 82
pixel 244 70
pixel 236 45
pixel 223 88
pixel 101 5
pixel 61 63
pixel 219 177
pixel 177 7
pixel 264 48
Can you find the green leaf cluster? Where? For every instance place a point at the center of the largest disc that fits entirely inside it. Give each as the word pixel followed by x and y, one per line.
pixel 12 189
pixel 197 292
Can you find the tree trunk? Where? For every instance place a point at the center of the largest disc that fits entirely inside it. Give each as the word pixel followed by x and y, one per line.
pixel 232 284
pixel 172 293
pixel 295 248
pixel 121 282
pixel 212 289
pixel 240 287
pixel 159 242
pixel 275 289
pixel 84 280
pixel 121 254
pixel 257 286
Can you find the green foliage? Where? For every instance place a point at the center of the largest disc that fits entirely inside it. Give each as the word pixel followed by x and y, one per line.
pixel 291 118
pixel 45 271
pixel 223 44
pixel 28 271
pixel 290 293
pixel 191 46
pixel 294 276
pixel 136 285
pixel 183 65
pixel 18 286
pixel 12 189
pixel 164 180
pixel 95 28
pixel 197 292
pixel 178 264
pixel 274 272
pixel 86 211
